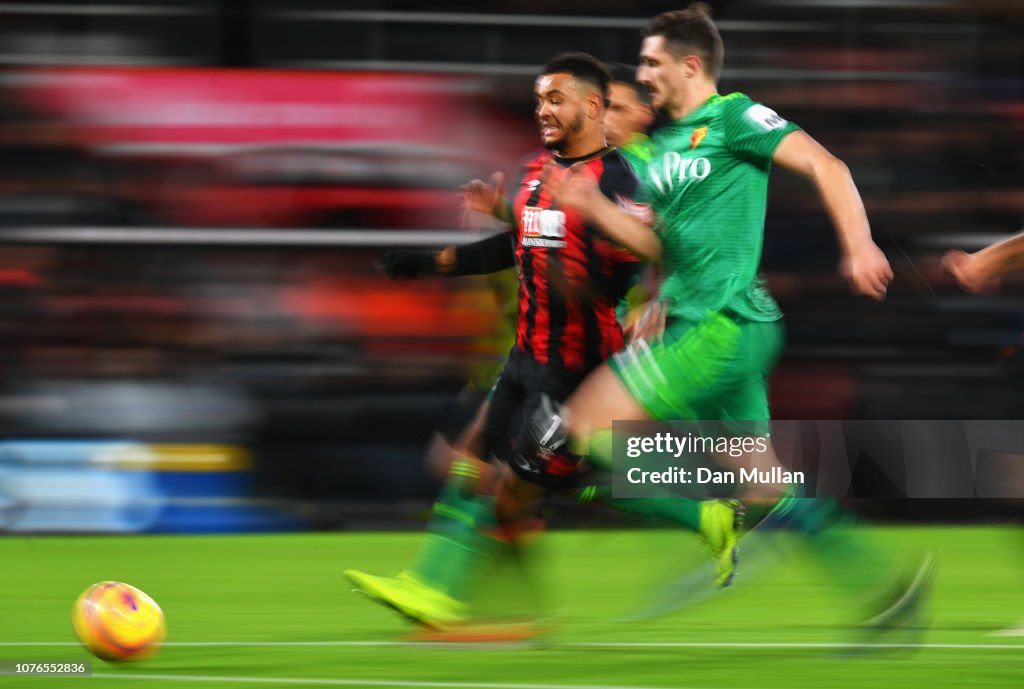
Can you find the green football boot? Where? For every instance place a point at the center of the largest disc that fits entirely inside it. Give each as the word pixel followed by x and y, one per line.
pixel 411 598
pixel 720 520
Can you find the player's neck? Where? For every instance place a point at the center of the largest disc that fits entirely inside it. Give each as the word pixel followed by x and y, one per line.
pixel 693 98
pixel 590 143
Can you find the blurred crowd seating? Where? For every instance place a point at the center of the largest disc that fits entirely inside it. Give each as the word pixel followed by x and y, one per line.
pixel 303 352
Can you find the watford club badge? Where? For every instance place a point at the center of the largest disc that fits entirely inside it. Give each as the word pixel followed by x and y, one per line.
pixel 698 135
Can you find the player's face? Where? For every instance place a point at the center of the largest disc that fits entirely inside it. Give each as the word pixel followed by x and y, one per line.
pixel 560 110
pixel 660 71
pixel 626 114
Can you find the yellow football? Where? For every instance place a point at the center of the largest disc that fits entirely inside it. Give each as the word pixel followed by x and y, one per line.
pixel 118 622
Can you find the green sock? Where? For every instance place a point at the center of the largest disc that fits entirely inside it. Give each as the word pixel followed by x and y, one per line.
pixel 684 511
pixel 460 539
pixel 598 450
pixel 840 549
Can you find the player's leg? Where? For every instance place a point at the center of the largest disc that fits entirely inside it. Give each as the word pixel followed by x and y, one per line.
pixel 632 386
pixel 461 536
pixel 601 399
pixel 664 390
pixel 737 406
pixel 460 531
pixel 434 589
pixel 840 548
pixel 460 431
pixel 529 477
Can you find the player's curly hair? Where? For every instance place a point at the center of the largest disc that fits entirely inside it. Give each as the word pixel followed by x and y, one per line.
pixel 691 32
pixel 583 67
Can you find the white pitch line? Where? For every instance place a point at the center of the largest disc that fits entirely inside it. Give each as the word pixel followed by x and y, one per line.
pixel 568 644
pixel 1014 631
pixel 38 644
pixel 365 682
pixel 782 644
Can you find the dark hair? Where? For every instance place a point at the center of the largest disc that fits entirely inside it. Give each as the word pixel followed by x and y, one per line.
pixel 691 32
pixel 626 74
pixel 582 67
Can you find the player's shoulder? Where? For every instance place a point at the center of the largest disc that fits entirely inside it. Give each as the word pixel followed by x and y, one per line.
pixel 734 104
pixel 743 111
pixel 738 104
pixel 617 163
pixel 617 175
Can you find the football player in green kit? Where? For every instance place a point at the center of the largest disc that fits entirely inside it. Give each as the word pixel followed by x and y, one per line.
pixel 628 118
pixel 463 536
pixel 707 182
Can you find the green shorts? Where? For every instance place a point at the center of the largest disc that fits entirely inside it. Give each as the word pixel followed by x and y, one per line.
pixel 714 370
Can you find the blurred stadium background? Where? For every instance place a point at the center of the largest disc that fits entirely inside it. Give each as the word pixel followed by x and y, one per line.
pixel 193 195
pixel 194 338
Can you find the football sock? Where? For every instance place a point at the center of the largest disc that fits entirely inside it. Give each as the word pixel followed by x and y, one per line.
pixel 684 511
pixel 840 549
pixel 461 535
pixel 598 449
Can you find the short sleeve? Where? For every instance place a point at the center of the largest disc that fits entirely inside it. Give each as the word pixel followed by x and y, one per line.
pixel 754 130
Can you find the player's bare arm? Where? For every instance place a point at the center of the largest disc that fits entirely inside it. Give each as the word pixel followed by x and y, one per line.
pixel 863 265
pixel 980 272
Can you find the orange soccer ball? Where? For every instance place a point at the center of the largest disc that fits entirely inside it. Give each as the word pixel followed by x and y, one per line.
pixel 118 622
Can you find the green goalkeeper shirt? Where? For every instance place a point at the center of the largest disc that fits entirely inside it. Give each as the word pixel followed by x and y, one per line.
pixel 638 152
pixel 708 185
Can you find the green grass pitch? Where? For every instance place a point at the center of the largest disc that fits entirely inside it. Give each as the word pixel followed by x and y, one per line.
pixel 287 618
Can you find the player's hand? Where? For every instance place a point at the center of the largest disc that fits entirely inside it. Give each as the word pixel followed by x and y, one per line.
pixel 400 264
pixel 648 323
pixel 575 188
pixel 483 197
pixel 969 273
pixel 867 271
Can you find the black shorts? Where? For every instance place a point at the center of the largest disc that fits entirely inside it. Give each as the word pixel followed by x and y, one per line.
pixel 516 394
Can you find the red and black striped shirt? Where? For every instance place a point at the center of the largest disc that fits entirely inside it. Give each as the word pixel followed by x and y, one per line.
pixel 571 278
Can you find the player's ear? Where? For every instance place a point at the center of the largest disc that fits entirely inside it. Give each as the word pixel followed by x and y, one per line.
pixel 595 105
pixel 692 65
